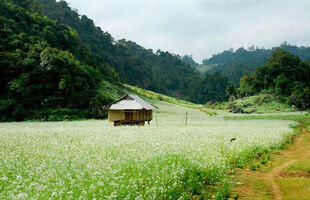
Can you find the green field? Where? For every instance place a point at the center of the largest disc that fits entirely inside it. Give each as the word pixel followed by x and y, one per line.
pixel 94 160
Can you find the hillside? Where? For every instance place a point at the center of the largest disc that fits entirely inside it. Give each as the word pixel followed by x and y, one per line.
pixel 51 69
pixel 189 60
pixel 155 97
pixel 47 70
pixel 235 64
pixel 159 71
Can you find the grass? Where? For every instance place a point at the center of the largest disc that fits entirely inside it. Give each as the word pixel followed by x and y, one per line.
pixel 217 105
pixel 295 188
pixel 158 97
pixel 302 165
pixel 294 116
pixel 260 189
pixel 297 184
pixel 114 91
pixel 154 97
pixel 306 139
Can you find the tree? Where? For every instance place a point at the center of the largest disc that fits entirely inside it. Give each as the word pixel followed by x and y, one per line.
pixel 189 60
pixel 285 75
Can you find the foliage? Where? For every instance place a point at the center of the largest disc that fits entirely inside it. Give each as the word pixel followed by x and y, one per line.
pixel 170 76
pixel 45 65
pixel 189 60
pixel 217 105
pixel 284 75
pixel 59 114
pixel 263 103
pixel 211 88
pixel 235 64
pixel 202 68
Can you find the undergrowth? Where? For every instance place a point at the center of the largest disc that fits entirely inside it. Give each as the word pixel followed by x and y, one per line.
pixel 263 103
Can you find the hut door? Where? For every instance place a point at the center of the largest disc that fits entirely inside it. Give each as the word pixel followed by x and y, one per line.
pixel 129 115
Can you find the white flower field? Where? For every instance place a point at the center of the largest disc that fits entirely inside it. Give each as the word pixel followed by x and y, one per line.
pixel 94 160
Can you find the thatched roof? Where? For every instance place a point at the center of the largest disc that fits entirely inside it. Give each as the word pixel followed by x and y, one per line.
pixel 131 102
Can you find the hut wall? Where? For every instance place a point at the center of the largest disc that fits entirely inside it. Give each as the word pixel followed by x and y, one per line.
pixel 129 115
pixel 138 115
pixel 150 114
pixel 116 115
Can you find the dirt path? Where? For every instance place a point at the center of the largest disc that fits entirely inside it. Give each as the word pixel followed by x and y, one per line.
pixel 274 173
pixel 252 182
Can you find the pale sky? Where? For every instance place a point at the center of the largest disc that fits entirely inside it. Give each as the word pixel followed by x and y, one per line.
pixel 201 28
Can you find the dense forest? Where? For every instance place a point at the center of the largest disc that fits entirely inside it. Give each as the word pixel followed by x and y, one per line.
pixel 189 60
pixel 285 75
pixel 235 64
pixel 45 68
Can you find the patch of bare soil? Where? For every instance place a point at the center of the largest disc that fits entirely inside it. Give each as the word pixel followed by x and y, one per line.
pixel 295 174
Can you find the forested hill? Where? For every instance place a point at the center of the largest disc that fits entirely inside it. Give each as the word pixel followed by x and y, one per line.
pixel 284 75
pixel 189 60
pixel 234 64
pixel 46 70
pixel 157 71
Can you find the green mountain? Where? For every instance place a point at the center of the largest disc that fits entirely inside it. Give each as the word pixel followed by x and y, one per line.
pixel 235 64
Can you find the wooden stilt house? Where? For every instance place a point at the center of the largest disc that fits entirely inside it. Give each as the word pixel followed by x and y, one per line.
pixel 130 110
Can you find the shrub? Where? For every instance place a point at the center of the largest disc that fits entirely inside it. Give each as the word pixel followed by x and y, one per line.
pixel 59 114
pixel 263 103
